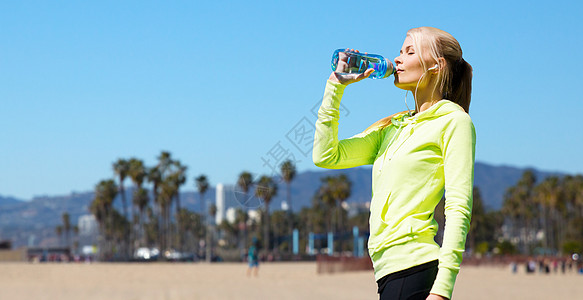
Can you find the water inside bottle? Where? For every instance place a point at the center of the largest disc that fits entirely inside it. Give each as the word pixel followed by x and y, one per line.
pixel 357 63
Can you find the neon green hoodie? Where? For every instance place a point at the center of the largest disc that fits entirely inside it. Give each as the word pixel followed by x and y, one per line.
pixel 414 159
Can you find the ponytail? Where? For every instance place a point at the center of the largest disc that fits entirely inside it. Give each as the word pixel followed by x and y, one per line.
pixel 460 90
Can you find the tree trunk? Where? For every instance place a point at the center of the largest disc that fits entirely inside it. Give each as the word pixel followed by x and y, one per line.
pixel 178 221
pixel 266 228
pixel 208 243
pixel 290 218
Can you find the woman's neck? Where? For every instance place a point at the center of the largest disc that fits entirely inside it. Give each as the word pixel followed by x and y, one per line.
pixel 425 98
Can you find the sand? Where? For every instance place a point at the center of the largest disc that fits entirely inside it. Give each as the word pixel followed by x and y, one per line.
pixel 275 281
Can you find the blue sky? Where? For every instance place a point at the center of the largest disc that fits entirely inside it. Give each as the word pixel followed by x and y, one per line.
pixel 225 85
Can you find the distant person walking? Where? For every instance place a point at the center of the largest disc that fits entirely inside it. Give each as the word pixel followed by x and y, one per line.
pixel 416 156
pixel 253 259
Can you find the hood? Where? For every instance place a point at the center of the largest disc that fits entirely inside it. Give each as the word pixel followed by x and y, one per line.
pixel 441 108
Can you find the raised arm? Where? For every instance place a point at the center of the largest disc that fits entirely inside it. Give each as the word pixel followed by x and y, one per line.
pixel 331 153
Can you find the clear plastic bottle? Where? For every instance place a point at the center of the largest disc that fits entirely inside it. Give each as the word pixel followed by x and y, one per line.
pixel 358 62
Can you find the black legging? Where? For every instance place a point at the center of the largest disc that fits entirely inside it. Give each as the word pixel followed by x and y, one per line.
pixel 412 286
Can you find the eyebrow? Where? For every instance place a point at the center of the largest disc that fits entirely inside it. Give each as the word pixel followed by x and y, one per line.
pixel 407 48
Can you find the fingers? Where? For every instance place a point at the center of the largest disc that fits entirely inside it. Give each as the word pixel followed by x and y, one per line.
pixel 364 75
pixel 368 72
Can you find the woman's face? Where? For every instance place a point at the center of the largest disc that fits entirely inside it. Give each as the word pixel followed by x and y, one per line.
pixel 408 66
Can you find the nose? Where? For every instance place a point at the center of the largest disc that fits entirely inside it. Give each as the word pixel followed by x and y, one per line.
pixel 398 60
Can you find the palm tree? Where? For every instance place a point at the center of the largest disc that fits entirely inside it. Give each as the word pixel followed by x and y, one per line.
pixel 318 216
pixel 168 190
pixel 529 208
pixel 266 189
pixel 324 196
pixel 102 208
pixel 141 200
pixel 548 195
pixel 137 173
pixel 521 206
pixel 179 178
pixel 241 223
pixel 154 176
pixel 563 211
pixel 288 172
pixel 572 232
pixel 212 211
pixel 166 194
pixel 244 182
pixel 578 195
pixel 202 185
pixel 151 228
pixel 341 190
pixel 478 218
pixel 210 229
pixel 59 232
pixel 76 241
pixel 512 208
pixel 191 226
pixel 121 168
pixel 67 227
pixel 335 190
pixel 164 161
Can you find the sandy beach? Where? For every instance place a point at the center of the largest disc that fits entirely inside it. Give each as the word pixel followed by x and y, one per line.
pixel 169 281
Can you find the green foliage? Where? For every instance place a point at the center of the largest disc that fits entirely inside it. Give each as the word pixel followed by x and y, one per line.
pixel 505 248
pixel 288 171
pixel 482 248
pixel 202 184
pixel 266 189
pixel 572 247
pixel 553 206
pixel 245 181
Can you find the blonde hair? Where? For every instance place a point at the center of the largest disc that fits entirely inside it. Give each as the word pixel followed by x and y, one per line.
pixel 454 79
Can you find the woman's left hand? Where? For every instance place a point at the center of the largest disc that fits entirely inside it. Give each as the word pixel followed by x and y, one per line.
pixel 435 297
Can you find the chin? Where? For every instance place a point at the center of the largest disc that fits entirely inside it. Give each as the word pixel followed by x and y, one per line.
pixel 402 86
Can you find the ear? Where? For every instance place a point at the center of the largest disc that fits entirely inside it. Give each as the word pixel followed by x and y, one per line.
pixel 442 63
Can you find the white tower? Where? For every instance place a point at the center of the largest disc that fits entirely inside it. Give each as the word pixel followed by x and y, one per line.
pixel 225 199
pixel 87 225
pixel 220 203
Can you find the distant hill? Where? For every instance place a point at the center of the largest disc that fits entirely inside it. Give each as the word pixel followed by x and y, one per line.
pixel 491 180
pixel 34 221
pixel 8 201
pixel 494 180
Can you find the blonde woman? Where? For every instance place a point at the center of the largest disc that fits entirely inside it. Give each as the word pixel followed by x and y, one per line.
pixel 417 156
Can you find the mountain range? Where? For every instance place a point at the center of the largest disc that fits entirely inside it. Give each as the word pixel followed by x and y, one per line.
pixel 33 222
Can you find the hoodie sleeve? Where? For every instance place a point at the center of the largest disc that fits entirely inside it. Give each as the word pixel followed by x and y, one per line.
pixel 330 153
pixel 458 148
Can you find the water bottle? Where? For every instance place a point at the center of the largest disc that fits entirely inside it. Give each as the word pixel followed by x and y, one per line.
pixel 357 63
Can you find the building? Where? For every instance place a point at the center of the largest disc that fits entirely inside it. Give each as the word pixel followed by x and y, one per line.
pixel 87 225
pixel 225 198
pixel 229 198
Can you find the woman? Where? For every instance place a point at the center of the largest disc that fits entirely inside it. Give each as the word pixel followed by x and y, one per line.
pixel 416 156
